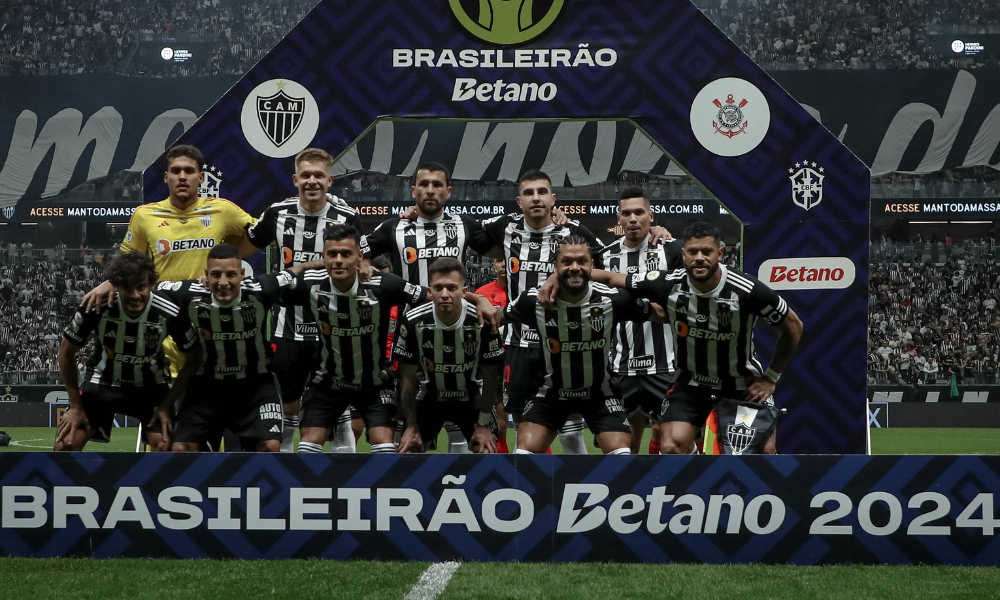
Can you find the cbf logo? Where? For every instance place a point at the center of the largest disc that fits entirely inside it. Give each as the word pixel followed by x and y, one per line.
pixel 506 22
pixel 279 118
pixel 212 184
pixel 807 184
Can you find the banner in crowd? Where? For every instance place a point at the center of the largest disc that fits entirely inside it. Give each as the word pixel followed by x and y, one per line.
pixel 971 394
pixel 32 393
pixel 801 510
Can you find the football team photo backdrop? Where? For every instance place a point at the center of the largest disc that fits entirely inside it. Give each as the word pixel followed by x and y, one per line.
pixel 802 196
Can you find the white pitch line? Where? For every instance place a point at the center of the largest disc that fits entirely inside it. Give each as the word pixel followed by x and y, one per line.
pixel 21 444
pixel 433 581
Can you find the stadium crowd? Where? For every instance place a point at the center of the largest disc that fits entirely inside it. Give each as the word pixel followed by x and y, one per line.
pixel 49 37
pixel 37 296
pixel 932 312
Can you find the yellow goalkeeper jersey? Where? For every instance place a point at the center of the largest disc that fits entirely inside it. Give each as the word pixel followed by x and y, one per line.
pixel 179 240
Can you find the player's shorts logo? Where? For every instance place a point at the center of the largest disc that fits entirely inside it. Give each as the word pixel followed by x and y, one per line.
pixel 506 22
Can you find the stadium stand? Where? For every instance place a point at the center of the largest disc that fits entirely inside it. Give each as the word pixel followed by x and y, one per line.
pixel 49 37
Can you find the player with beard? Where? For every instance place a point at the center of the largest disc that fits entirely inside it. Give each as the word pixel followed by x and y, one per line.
pixel 642 357
pixel 712 310
pixel 128 372
pixel 296 226
pixel 449 365
pixel 576 332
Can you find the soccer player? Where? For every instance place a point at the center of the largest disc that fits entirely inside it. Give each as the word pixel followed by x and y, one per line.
pixel 529 242
pixel 128 371
pixel 178 232
pixel 234 389
pixel 642 356
pixel 576 332
pixel 413 245
pixel 712 310
pixel 496 293
pixel 444 341
pixel 296 226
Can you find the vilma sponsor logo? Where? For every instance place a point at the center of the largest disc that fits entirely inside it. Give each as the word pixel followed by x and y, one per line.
pixel 506 22
pixel 807 184
pixel 827 272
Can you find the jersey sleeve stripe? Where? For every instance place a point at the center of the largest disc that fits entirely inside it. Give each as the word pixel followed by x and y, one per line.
pixel 419 311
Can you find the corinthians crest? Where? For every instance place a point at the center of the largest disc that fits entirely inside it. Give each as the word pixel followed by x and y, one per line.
pixel 807 184
pixel 729 121
pixel 280 115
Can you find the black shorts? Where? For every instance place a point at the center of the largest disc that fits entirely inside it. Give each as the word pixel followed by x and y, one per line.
pixel 102 402
pixel 322 406
pixel 602 415
pixel 523 374
pixel 250 408
pixel 690 404
pixel 293 364
pixel 432 415
pixel 644 393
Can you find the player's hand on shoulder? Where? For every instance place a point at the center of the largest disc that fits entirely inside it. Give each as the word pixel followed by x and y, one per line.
pixel 410 214
pixel 99 297
pixel 547 292
pixel 559 216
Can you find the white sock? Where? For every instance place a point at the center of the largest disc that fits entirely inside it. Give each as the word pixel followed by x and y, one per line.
pixel 457 444
pixel 289 424
pixel 694 449
pixel 383 448
pixel 620 452
pixel 571 437
pixel 310 448
pixel 520 451
pixel 343 441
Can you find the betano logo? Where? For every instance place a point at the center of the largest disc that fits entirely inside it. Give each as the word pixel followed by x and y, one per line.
pixel 506 22
pixel 822 273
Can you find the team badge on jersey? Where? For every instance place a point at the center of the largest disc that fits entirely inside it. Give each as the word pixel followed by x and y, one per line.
pixel 451 231
pixel 652 261
pixel 206 220
pixel 725 317
pixel 364 310
pixel 597 318
pixel 249 314
pixel 471 344
pixel 151 336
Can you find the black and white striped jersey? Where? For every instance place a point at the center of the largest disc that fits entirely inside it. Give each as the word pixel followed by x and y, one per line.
pixel 647 348
pixel 353 325
pixel 576 338
pixel 448 355
pixel 530 257
pixel 413 245
pixel 232 336
pixel 299 237
pixel 713 331
pixel 129 352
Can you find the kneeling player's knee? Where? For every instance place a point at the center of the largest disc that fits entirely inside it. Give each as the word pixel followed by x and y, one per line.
pixel 269 446
pixel 670 445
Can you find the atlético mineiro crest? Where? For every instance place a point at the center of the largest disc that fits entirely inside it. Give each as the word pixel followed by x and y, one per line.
pixel 8 212
pixel 471 344
pixel 364 311
pixel 280 116
pixel 807 184
pixel 596 319
pixel 740 436
pixel 729 121
pixel 652 261
pixel 451 231
pixel 206 220
pixel 212 184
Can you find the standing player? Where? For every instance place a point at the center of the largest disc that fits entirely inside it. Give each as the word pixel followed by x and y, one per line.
pixel 178 232
pixel 496 293
pixel 642 357
pixel 576 331
pixel 234 389
pixel 446 343
pixel 529 242
pixel 712 310
pixel 413 245
pixel 296 226
pixel 128 370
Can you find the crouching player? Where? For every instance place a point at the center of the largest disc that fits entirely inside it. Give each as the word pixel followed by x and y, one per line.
pixel 234 389
pixel 128 372
pixel 440 347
